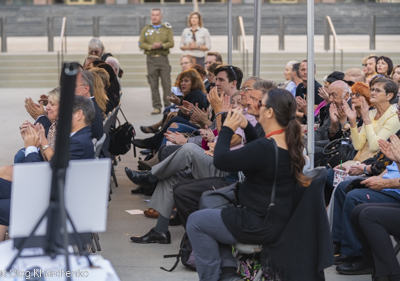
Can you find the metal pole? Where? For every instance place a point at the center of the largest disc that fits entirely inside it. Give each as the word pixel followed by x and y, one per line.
pixel 334 53
pixel 281 32
pixel 372 32
pixel 327 35
pixel 235 26
pixel 3 22
pixel 257 37
pixel 310 80
pixel 229 31
pixel 96 27
pixel 50 34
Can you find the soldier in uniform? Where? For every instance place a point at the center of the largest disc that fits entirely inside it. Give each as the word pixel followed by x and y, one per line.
pixel 156 40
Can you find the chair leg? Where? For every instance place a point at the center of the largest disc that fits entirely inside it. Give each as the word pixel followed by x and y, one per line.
pixel 134 151
pixel 259 275
pixel 96 241
pixel 114 176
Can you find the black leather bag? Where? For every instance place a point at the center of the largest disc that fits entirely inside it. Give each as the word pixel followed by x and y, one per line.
pixel 121 139
pixel 220 198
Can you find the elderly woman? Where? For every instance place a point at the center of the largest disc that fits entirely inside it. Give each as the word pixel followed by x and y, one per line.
pixel 384 65
pixel 195 39
pixel 378 123
pixel 211 231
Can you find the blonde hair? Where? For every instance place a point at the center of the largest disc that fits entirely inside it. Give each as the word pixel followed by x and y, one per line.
pixel 200 19
pixel 105 77
pixel 98 91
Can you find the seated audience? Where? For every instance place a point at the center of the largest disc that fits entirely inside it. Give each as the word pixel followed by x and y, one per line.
pixel 99 92
pixel 396 74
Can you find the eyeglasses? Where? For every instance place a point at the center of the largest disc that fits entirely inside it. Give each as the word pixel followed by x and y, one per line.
pixel 79 86
pixel 364 64
pixel 357 95
pixel 245 89
pixel 261 105
pixel 377 90
pixel 184 63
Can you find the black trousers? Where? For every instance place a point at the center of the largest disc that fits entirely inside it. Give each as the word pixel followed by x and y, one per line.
pixel 374 223
pixel 187 194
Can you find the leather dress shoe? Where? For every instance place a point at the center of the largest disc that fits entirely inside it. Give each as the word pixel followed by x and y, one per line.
pixel 151 213
pixel 142 178
pixel 144 143
pixel 343 259
pixel 148 130
pixel 355 267
pixel 153 237
pixel 137 190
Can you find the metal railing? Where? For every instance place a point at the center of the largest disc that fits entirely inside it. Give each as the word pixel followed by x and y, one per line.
pixel 243 47
pixel 61 46
pixel 329 26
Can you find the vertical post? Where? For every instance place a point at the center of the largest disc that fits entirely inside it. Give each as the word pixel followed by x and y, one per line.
pixel 310 80
pixel 195 6
pixel 3 22
pixel 50 34
pixel 96 31
pixel 334 53
pixel 281 32
pixel 257 37
pixel 229 31
pixel 235 27
pixel 141 23
pixel 372 32
pixel 327 35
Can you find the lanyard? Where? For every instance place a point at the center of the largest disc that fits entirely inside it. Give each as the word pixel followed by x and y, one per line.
pixel 275 133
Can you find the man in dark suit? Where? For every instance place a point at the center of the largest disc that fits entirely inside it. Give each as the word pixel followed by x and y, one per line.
pixel 81 147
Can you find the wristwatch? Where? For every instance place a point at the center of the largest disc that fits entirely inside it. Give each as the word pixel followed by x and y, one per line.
pixel 365 171
pixel 45 147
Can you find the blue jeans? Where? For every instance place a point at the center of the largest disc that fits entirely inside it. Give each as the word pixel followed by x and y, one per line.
pixel 342 229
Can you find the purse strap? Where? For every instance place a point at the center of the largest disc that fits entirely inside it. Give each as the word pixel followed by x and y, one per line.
pixel 271 204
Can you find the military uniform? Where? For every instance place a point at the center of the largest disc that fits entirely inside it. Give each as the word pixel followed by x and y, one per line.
pixel 157 60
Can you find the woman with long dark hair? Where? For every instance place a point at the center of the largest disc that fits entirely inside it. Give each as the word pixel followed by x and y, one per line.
pixel 212 230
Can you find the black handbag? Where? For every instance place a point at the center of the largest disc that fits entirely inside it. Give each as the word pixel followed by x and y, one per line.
pixel 226 196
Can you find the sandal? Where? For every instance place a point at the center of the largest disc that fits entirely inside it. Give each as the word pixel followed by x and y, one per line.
pixel 148 130
pixel 151 213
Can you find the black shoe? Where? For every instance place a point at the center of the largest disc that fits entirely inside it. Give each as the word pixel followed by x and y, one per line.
pixel 229 274
pixel 148 130
pixel 142 178
pixel 153 237
pixel 144 143
pixel 354 268
pixel 342 259
pixel 137 190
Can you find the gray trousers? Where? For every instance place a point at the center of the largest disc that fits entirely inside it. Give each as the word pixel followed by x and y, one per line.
pixel 188 162
pixel 211 243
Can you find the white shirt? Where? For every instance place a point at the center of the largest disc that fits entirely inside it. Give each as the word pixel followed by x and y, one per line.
pixel 202 38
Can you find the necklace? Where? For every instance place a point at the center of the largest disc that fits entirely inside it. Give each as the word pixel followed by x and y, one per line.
pixel 275 133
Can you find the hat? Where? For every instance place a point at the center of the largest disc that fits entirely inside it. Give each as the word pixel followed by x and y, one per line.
pixel 334 76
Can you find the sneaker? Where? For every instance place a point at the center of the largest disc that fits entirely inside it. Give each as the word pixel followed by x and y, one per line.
pixel 156 111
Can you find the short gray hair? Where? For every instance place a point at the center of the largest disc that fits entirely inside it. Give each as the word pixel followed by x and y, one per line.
pixel 56 93
pixel 157 9
pixel 255 78
pixel 87 107
pixel 87 79
pixel 264 86
pixel 95 43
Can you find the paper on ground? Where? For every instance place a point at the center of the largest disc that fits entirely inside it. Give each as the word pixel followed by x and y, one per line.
pixel 135 212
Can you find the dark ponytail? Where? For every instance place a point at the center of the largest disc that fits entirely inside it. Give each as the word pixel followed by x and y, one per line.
pixel 284 106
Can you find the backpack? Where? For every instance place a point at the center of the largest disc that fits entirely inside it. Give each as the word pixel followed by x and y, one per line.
pixel 185 254
pixel 121 139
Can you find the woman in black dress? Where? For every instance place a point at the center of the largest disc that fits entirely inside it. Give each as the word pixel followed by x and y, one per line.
pixel 211 231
